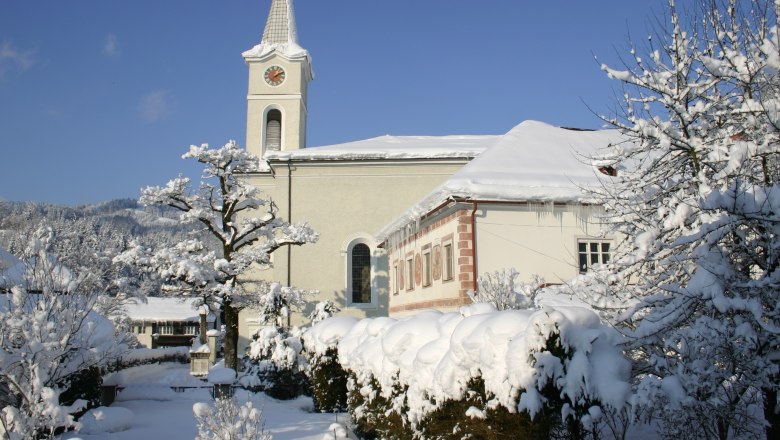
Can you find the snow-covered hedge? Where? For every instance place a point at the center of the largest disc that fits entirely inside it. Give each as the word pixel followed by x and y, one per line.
pixel 141 356
pixel 521 359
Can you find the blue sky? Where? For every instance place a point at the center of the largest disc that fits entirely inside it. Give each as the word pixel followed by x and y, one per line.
pixel 99 98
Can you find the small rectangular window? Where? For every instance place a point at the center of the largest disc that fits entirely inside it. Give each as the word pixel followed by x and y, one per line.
pixel 427 268
pixel 396 279
pixel 447 257
pixel 592 252
pixel 410 274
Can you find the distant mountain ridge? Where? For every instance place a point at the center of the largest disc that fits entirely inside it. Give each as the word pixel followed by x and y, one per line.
pixel 119 217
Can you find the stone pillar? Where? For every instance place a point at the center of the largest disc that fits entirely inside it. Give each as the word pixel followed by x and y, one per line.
pixel 212 336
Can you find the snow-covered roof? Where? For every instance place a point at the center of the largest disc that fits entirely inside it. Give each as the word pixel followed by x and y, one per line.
pixel 534 162
pixel 393 147
pixel 165 310
pixel 280 34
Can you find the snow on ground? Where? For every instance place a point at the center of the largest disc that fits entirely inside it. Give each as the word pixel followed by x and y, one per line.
pixel 160 413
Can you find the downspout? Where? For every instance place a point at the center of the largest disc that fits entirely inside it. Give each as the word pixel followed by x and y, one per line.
pixel 474 244
pixel 289 220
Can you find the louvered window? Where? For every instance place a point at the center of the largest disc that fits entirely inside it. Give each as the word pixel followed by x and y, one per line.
pixel 273 131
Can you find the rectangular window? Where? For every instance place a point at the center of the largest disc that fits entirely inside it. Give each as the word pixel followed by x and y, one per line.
pixel 427 268
pixel 447 261
pixel 410 274
pixel 396 280
pixel 592 252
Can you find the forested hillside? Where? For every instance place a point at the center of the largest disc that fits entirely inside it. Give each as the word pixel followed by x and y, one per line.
pixel 89 236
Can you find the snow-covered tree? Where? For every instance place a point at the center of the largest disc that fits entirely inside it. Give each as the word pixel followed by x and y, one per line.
pixel 697 200
pixel 49 333
pixel 226 420
pixel 501 289
pixel 245 225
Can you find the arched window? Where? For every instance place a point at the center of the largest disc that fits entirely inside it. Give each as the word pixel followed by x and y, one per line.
pixel 360 268
pixel 273 130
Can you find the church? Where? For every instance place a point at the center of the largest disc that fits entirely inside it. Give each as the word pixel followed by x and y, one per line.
pixel 408 223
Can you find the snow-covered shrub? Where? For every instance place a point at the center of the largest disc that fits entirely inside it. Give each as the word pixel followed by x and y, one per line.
pixel 143 356
pixel 328 382
pixel 327 378
pixel 472 417
pixel 522 370
pixel 275 363
pixel 274 302
pixel 501 289
pixel 50 340
pixel 377 415
pixel 225 420
pixel 323 310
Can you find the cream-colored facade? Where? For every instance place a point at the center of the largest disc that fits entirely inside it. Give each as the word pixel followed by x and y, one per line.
pixel 433 264
pixel 340 200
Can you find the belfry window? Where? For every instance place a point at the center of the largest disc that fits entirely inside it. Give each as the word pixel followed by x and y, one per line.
pixel 360 268
pixel 273 131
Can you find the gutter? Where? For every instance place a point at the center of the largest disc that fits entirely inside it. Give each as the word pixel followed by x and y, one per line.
pixel 289 221
pixel 474 244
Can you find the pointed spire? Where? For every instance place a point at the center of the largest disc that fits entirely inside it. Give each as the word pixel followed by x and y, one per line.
pixel 280 26
pixel 280 34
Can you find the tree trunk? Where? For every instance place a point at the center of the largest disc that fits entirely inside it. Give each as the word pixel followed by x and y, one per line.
pixel 230 347
pixel 770 414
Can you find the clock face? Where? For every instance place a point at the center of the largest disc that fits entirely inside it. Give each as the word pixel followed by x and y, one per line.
pixel 274 75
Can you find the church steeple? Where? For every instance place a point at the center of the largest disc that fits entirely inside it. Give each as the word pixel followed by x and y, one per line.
pixel 279 74
pixel 280 26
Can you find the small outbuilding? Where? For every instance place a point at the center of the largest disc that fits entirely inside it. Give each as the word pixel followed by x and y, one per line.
pixel 168 322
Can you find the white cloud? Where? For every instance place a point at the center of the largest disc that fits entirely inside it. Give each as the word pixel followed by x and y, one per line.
pixel 111 46
pixel 155 106
pixel 11 57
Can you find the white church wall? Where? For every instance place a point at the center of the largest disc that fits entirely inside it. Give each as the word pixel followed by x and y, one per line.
pixel 341 200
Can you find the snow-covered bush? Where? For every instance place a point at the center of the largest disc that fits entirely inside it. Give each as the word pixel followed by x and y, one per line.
pixel 142 356
pixel 327 378
pixel 274 302
pixel 501 289
pixel 275 363
pixel 516 366
pixel 51 340
pixel 323 310
pixel 225 420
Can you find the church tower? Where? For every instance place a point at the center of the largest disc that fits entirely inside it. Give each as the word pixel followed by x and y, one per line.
pixel 279 74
